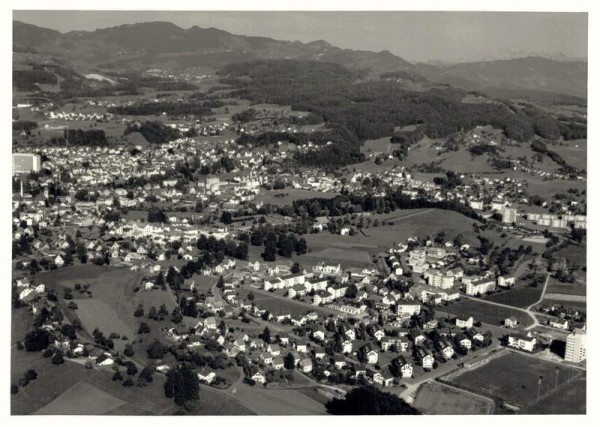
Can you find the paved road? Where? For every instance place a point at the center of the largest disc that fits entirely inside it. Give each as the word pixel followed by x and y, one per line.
pixel 527 310
pixel 398 218
pixel 412 386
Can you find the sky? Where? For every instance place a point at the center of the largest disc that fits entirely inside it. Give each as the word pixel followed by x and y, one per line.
pixel 414 36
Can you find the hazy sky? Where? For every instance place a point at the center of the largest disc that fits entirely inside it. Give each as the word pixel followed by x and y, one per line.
pixel 415 36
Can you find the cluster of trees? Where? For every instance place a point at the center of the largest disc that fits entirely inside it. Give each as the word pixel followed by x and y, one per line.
pixel 154 132
pixel 28 80
pixel 451 181
pixel 38 340
pixel 156 108
pixel 369 400
pixel 245 116
pixel 229 248
pixel 27 377
pixel 90 137
pixel 24 125
pixel 393 200
pixel 404 140
pixel 277 241
pixel 182 385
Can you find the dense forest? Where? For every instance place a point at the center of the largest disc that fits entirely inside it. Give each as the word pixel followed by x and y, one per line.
pixel 29 79
pixel 154 132
pixel 91 137
pixel 371 109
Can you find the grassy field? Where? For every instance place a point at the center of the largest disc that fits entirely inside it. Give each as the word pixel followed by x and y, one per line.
pixel 335 255
pixel 554 286
pixel 573 152
pixel 52 380
pixel 486 313
pixel 575 254
pixel 521 297
pixel 114 286
pixel 569 400
pixel 95 313
pixel 437 399
pixel 21 323
pixel 402 225
pixel 263 401
pixel 264 300
pixel 514 378
pixel 81 399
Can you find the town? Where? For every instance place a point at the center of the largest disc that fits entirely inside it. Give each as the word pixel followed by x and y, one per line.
pixel 173 238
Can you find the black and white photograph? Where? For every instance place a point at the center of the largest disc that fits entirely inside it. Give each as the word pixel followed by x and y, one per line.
pixel 297 212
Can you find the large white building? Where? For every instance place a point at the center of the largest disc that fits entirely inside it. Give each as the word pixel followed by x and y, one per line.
pixel 25 163
pixel 575 351
pixel 509 215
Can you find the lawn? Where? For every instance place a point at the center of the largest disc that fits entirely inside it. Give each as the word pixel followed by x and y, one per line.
pixel 81 399
pixel 569 400
pixel 52 380
pixel 486 313
pixel 519 297
pixel 514 378
pixel 263 401
pixel 21 323
pixel 334 255
pixel 95 313
pixel 114 286
pixel 556 287
pixel 437 399
pixel 405 223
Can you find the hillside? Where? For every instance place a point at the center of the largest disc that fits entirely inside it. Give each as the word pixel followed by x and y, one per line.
pixel 165 45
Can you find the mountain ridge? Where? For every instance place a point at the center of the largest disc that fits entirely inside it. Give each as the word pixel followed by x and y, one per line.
pixel 162 44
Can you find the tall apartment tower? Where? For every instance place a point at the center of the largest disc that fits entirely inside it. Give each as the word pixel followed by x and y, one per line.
pixel 575 351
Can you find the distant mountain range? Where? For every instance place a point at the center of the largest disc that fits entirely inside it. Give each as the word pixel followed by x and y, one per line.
pixel 165 45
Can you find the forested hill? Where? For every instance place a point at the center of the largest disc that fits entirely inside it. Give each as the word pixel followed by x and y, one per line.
pixel 372 109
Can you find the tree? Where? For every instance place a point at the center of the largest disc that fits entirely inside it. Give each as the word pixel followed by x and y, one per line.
pixel 58 358
pixel 368 400
pixel 128 351
pixel 155 350
pixel 156 215
pixel 37 340
pixel 288 361
pixel 351 291
pixel 301 246
pixel 176 316
pixel 131 368
pixel 162 311
pixel 266 335
pixel 270 253
pixel 139 311
pixel 128 382
pixel 226 218
pixel 117 376
pixel 144 328
pixel 182 385
pixel 146 375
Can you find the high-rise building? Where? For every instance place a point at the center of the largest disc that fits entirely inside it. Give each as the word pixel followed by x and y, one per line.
pixel 25 163
pixel 509 215
pixel 575 351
